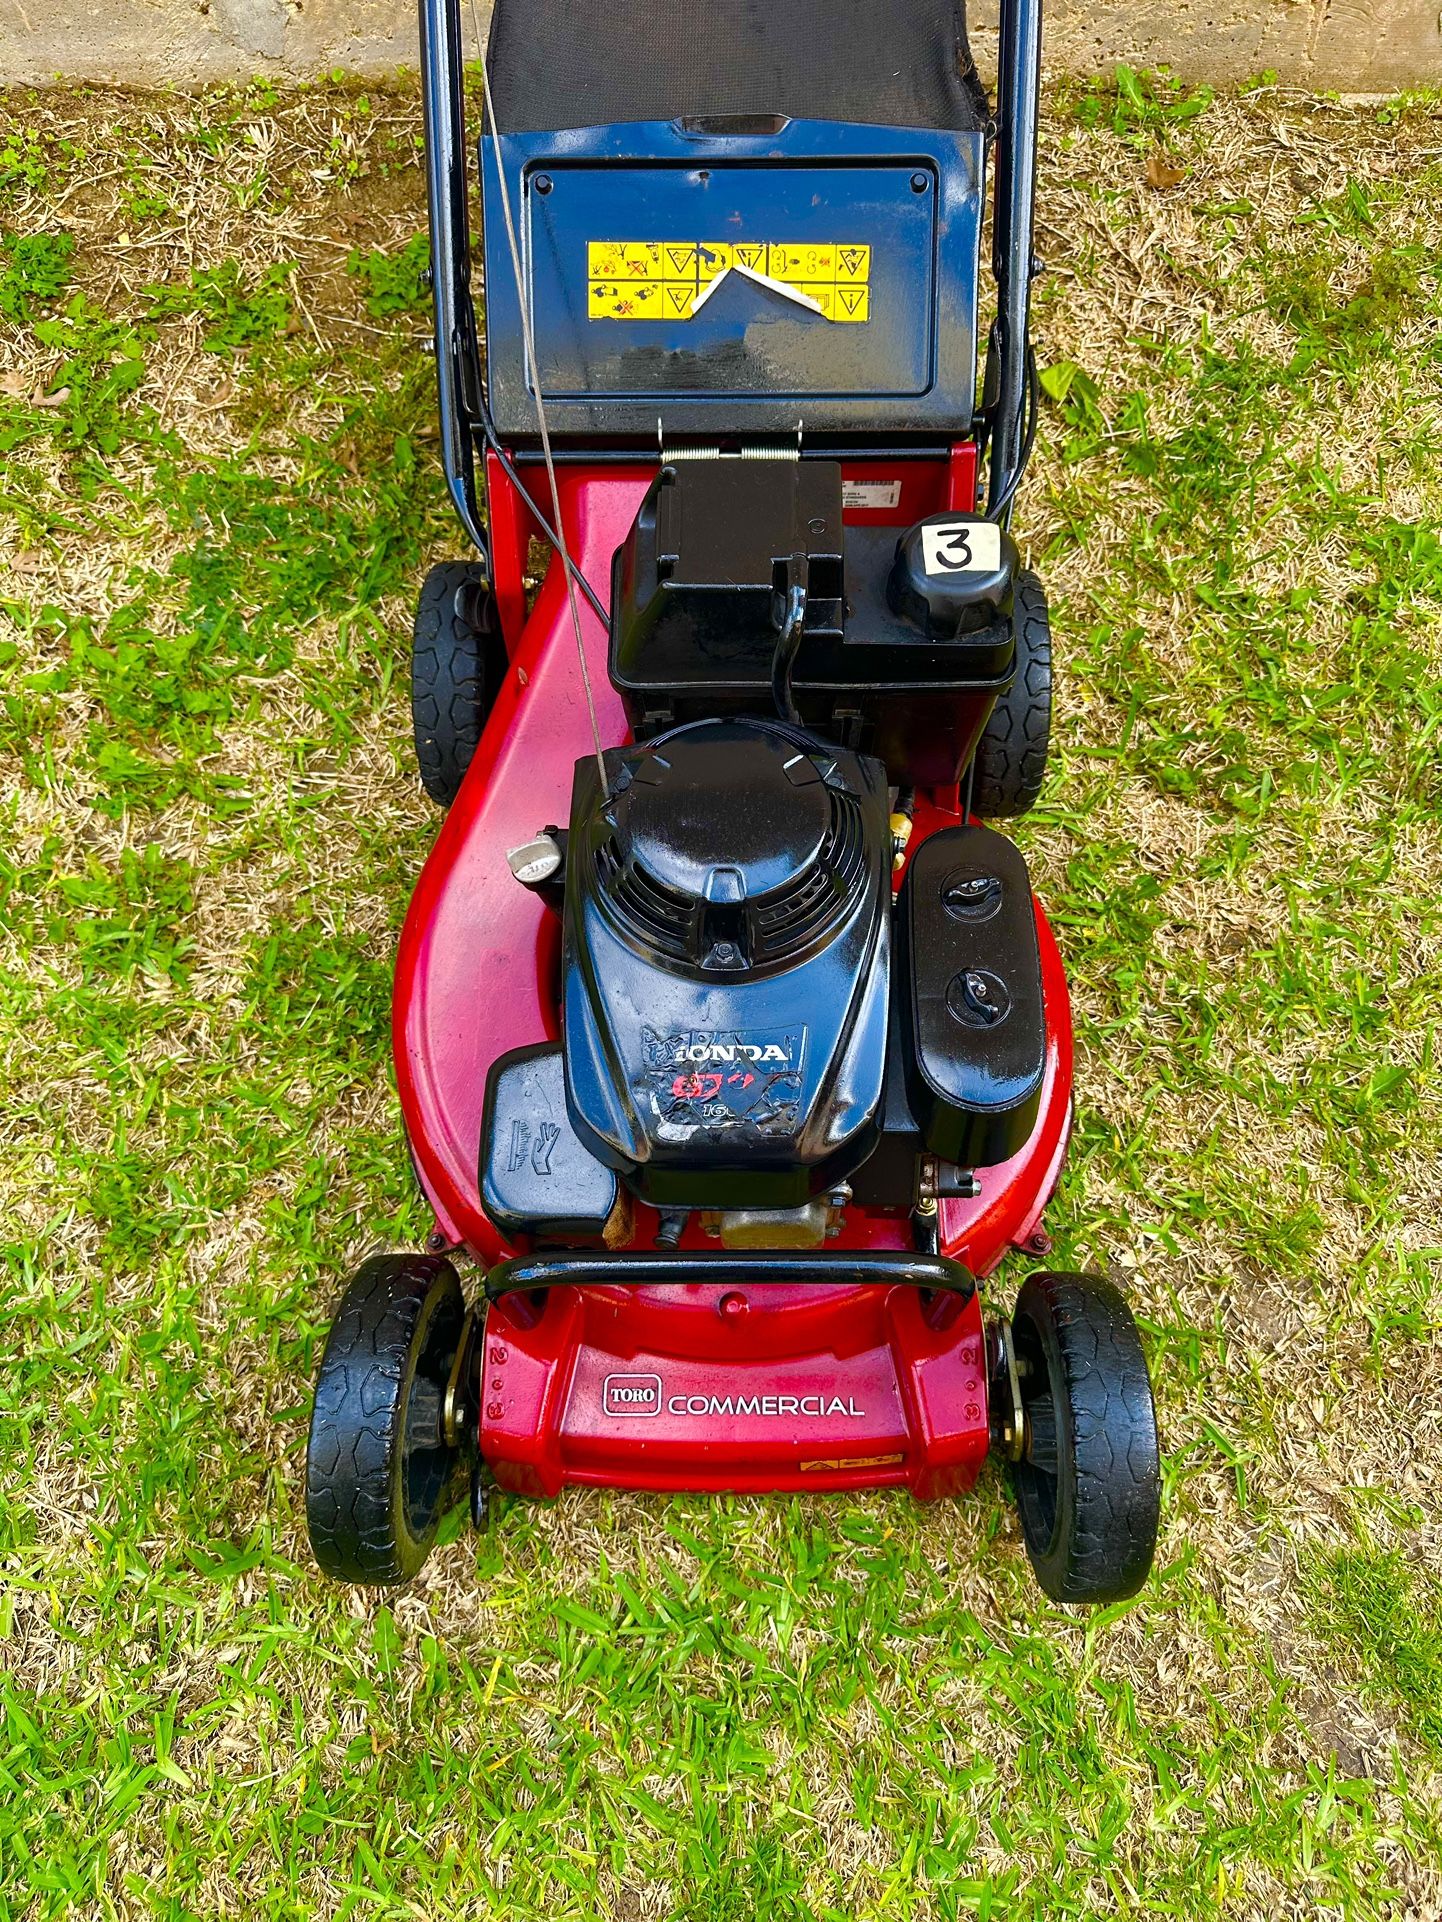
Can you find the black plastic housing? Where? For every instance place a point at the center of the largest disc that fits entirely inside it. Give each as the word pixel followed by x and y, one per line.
pixel 536 1177
pixel 973 1030
pixel 709 554
pixel 726 964
pixel 746 361
pixel 693 633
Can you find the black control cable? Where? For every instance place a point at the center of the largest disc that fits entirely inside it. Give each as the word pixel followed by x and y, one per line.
pixel 508 467
pixel 793 621
pixel 1030 411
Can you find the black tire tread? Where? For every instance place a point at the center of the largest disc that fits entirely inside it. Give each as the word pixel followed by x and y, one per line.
pixel 456 672
pixel 355 1427
pixel 1108 1531
pixel 1011 756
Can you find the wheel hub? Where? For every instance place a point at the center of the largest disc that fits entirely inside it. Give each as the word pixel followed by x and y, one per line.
pixel 1009 1416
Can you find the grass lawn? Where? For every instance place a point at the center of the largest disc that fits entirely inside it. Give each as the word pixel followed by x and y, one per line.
pixel 219 489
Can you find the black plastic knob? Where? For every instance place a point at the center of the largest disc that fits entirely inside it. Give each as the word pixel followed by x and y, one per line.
pixel 952 576
pixel 978 999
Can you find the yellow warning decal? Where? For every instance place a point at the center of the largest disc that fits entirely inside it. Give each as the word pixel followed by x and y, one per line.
pixel 852 1461
pixel 670 279
pixel 640 299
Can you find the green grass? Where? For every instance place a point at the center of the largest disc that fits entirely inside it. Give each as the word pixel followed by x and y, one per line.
pixel 1386 1618
pixel 218 491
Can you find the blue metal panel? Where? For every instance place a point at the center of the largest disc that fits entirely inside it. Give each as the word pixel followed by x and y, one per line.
pixel 748 360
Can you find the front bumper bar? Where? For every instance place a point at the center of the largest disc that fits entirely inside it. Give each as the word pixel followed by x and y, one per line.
pixel 716 1371
pixel 649 1268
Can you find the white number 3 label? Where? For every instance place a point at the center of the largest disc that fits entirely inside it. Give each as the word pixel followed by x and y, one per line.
pixel 961 547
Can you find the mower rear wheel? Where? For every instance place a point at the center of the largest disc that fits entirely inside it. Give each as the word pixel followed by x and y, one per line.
pixel 379 1473
pixel 458 661
pixel 1010 763
pixel 1088 1483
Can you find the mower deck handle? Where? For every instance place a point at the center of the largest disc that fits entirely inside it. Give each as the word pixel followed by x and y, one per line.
pixel 657 1269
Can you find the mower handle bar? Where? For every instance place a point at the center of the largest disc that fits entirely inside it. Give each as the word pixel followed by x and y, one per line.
pixel 457 343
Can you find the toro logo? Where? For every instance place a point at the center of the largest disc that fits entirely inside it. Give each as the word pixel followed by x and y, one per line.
pixel 643 1395
pixel 631 1395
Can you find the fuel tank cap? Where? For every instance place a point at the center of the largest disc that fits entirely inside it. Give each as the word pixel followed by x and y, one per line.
pixel 952 576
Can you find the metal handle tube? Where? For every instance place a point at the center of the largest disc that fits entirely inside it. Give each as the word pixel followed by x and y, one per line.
pixel 1018 102
pixel 457 350
pixel 648 1269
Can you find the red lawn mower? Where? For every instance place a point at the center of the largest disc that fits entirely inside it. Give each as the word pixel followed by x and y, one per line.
pixel 733 1047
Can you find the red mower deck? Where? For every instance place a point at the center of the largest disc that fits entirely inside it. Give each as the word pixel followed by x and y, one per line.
pixel 733 1046
pixel 768 1387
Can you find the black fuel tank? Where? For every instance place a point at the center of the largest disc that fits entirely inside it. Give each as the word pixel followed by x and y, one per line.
pixel 727 962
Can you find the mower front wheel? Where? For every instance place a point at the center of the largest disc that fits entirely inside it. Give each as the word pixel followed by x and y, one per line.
pixel 458 661
pixel 1088 1480
pixel 380 1472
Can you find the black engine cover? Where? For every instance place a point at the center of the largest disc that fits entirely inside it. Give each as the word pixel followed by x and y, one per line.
pixel 727 963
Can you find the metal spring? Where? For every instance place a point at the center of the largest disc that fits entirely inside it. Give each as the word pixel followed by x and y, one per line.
pixel 712 450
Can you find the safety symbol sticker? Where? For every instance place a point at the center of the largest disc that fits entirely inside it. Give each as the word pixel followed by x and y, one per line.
pixel 674 279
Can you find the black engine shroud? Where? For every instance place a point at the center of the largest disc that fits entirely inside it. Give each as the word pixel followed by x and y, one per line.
pixel 727 951
pixel 740 1031
pixel 748 1021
